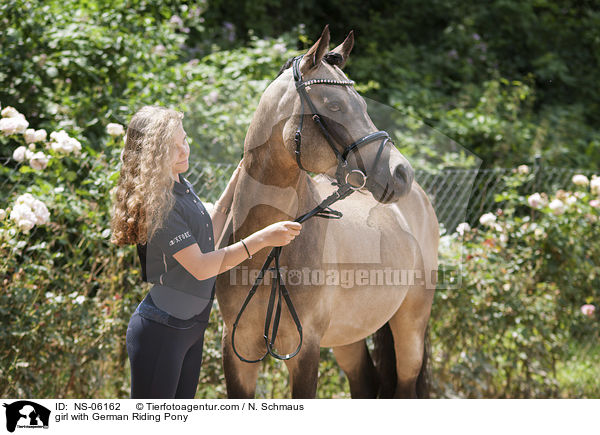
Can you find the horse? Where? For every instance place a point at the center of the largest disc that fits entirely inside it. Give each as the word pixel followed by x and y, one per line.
pixel 389 228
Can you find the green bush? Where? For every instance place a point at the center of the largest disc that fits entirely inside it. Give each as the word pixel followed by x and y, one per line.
pixel 80 67
pixel 66 292
pixel 516 306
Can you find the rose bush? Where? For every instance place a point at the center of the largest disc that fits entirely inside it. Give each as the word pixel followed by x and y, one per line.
pixel 528 279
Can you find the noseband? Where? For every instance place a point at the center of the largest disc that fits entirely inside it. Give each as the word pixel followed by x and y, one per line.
pixel 322 210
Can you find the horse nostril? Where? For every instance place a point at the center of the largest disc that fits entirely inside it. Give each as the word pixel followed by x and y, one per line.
pixel 404 175
pixel 401 174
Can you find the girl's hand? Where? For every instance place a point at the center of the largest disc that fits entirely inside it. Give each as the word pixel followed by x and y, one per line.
pixel 280 233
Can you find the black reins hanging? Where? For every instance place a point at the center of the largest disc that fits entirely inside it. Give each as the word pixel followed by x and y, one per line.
pixel 278 288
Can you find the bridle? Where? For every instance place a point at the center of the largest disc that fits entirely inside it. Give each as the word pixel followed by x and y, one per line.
pixel 322 210
pixel 320 122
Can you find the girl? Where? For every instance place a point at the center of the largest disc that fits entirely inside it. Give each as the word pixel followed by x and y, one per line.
pixel 156 208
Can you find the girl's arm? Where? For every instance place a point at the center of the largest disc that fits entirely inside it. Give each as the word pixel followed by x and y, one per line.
pixel 206 265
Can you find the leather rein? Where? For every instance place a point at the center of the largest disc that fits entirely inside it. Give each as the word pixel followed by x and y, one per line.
pixel 278 287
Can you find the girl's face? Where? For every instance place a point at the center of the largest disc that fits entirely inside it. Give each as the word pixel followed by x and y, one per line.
pixel 182 152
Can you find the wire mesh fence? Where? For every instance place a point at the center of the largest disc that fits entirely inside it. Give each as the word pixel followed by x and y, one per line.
pixel 463 195
pixel 457 195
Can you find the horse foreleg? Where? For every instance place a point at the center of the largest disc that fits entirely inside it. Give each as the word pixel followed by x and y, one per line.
pixel 408 327
pixel 304 371
pixel 240 377
pixel 355 361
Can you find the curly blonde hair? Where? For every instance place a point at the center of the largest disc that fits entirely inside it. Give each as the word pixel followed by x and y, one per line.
pixel 143 196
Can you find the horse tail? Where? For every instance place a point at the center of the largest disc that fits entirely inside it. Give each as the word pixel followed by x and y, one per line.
pixel 384 359
pixel 424 378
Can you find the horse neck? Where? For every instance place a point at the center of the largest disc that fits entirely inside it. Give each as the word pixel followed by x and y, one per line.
pixel 272 179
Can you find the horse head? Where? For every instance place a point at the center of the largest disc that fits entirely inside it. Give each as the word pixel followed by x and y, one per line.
pixel 342 112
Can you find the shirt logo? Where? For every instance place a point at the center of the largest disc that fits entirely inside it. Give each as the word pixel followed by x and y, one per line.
pixel 179 238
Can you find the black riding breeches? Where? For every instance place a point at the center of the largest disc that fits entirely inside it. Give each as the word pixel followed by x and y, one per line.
pixel 165 361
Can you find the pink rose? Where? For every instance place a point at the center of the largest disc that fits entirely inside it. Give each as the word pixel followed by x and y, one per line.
pixel 588 310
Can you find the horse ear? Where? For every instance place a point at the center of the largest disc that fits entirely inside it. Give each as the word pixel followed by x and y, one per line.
pixel 313 56
pixel 345 48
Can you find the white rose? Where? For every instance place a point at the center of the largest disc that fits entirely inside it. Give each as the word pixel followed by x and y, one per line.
pixel 29 135
pixel 58 147
pixel 39 161
pixel 62 142
pixel 523 169
pixel 40 135
pixel 536 200
pixel 19 153
pixel 2 214
pixel 14 125
pixel 42 215
pixel 75 145
pixel 56 135
pixel 580 180
pixel 26 198
pixel 79 299
pixel 487 219
pixel 10 112
pixel 22 212
pixel 571 200
pixel 557 207
pixel 595 185
pixel 25 224
pixel 57 139
pixel 463 228
pixel 115 129
pixel 22 125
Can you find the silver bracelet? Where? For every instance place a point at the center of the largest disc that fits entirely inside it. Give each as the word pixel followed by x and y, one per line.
pixel 249 256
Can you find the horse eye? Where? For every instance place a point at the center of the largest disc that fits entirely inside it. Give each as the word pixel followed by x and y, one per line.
pixel 334 107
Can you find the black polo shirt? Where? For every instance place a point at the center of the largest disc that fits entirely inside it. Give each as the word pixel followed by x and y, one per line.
pixel 177 295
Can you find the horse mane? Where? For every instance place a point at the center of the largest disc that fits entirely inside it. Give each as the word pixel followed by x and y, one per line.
pixel 286 65
pixel 331 58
